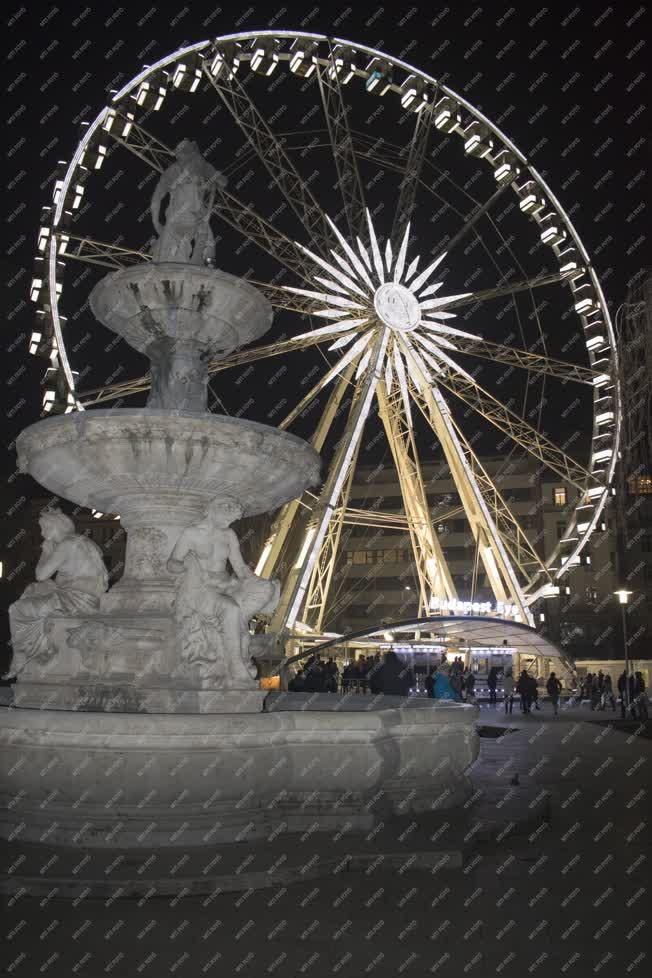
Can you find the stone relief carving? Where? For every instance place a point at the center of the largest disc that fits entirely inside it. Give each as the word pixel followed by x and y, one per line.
pixel 70 577
pixel 213 607
pixel 147 554
pixel 189 183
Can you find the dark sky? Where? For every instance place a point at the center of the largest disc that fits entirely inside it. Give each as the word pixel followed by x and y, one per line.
pixel 565 83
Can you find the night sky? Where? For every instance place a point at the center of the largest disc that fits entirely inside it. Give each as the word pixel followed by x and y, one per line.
pixel 566 85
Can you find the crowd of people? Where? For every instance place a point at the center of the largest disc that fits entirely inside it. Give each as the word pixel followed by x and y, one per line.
pixel 366 674
pixel 386 674
pixel 453 681
pixel 598 689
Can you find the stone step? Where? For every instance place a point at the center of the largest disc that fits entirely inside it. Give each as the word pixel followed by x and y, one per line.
pixel 428 842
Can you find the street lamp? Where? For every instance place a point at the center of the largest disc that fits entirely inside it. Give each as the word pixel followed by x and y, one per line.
pixel 623 597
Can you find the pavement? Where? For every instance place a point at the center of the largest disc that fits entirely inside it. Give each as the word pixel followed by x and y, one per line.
pixel 564 892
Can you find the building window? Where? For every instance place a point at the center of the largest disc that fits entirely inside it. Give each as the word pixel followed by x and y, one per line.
pixel 646 544
pixel 640 485
pixel 561 528
pixel 559 496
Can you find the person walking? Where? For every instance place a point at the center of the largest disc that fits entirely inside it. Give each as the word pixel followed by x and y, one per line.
pixel 508 690
pixel 640 697
pixel 553 688
pixel 456 682
pixel 397 678
pixel 492 682
pixel 608 694
pixel 524 689
pixel 298 683
pixel 595 691
pixel 622 692
pixel 469 686
pixel 375 675
pixel 429 683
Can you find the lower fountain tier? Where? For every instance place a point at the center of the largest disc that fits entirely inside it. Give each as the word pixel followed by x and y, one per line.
pixel 121 780
pixel 158 470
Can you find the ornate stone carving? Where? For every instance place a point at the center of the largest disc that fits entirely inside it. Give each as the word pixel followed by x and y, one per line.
pixel 213 607
pixel 70 577
pixel 102 647
pixel 147 552
pixel 189 184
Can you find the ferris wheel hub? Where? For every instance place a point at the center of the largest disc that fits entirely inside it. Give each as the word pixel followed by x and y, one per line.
pixel 397 307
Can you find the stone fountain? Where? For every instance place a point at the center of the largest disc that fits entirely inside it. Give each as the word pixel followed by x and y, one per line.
pixel 146 690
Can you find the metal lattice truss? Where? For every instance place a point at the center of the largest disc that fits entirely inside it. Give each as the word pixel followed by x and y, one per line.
pixel 379 311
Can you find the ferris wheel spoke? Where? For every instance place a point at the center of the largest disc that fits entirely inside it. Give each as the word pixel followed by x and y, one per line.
pixel 506 524
pixel 315 603
pixel 110 392
pixel 514 357
pixel 502 577
pixel 432 569
pixel 95 252
pixel 296 585
pixel 507 421
pixel 516 540
pixel 471 221
pixel 499 291
pixel 261 232
pixel 346 364
pixel 342 147
pixel 411 176
pixel 272 155
pixel 269 559
pixel 139 141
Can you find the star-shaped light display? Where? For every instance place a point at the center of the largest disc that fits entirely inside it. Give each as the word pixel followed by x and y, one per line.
pixel 367 290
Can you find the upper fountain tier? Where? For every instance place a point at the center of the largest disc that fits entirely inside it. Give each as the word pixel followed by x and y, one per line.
pixel 176 309
pixel 180 316
pixel 152 303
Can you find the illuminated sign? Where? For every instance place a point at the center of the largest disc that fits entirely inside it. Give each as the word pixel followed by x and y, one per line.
pixel 501 608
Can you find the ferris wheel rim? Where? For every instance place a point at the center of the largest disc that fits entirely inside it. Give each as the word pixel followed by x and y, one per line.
pixel 161 64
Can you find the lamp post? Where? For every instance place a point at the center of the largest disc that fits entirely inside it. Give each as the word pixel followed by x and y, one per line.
pixel 623 597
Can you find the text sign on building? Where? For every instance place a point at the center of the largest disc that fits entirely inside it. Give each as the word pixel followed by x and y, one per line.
pixel 501 608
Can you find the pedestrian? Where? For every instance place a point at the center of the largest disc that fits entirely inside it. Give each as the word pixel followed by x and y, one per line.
pixel 524 689
pixel 347 677
pixel 331 676
pixel 640 697
pixel 375 675
pixel 492 682
pixel 397 678
pixel 297 683
pixel 534 692
pixel 429 684
pixel 443 686
pixel 456 682
pixel 469 686
pixel 314 673
pixel 608 694
pixel 595 691
pixel 365 667
pixel 553 688
pixel 508 690
pixel 622 692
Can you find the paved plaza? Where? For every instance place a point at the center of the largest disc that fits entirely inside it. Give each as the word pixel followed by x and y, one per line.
pixel 552 880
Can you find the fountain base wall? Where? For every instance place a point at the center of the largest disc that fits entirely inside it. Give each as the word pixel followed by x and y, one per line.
pixel 127 780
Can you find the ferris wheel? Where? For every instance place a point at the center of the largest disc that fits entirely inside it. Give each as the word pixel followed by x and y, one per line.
pixel 375 248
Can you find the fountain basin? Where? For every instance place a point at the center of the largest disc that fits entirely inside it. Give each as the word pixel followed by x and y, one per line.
pixel 108 459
